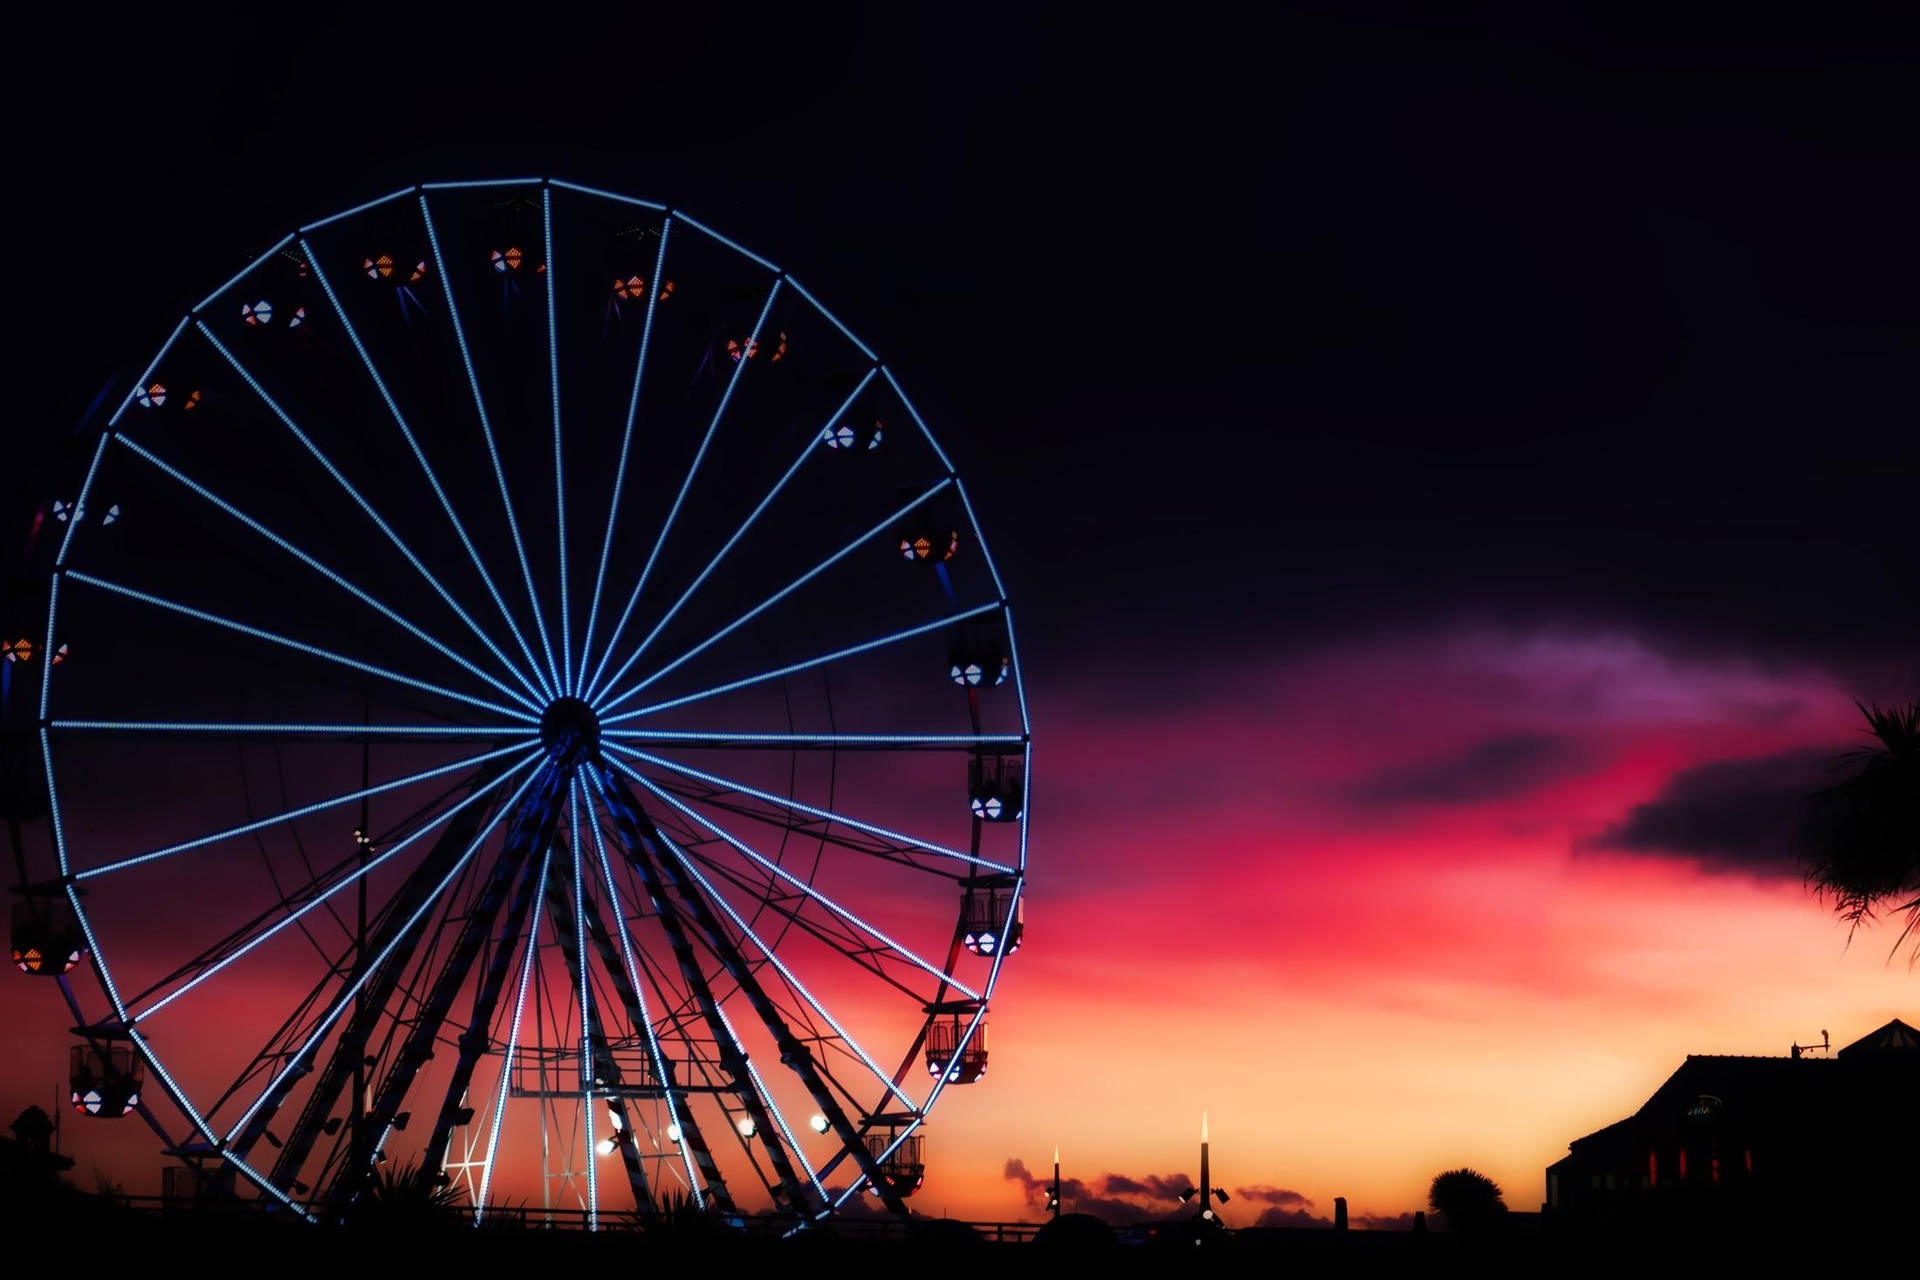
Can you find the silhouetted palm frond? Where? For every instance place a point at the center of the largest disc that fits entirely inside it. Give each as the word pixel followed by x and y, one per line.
pixel 1860 843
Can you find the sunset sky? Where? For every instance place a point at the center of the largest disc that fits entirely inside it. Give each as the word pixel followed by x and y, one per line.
pixel 1455 480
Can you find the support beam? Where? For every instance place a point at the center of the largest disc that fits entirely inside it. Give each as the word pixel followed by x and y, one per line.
pixel 530 830
pixel 351 1046
pixel 624 990
pixel 640 833
pixel 605 1072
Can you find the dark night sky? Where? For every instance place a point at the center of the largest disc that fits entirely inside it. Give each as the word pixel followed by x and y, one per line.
pixel 1365 319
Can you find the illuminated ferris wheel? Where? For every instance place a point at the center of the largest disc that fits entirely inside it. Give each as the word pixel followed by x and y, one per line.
pixel 533 701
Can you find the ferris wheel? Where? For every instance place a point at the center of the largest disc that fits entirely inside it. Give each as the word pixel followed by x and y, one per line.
pixel 533 705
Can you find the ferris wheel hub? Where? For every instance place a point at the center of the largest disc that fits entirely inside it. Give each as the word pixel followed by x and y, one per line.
pixel 569 730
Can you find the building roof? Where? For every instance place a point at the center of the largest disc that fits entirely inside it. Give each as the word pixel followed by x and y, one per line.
pixel 1805 1091
pixel 1896 1036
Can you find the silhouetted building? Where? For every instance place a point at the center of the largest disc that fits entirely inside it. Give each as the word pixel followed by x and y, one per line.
pixel 1793 1138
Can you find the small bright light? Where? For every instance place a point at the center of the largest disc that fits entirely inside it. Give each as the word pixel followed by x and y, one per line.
pixel 745 1126
pixel 1207 1214
pixel 606 1146
pixel 613 1118
pixel 673 1133
pixel 818 1124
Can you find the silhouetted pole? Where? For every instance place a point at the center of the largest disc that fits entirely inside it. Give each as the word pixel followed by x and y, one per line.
pixel 1205 1191
pixel 1053 1202
pixel 1206 1178
pixel 1339 1213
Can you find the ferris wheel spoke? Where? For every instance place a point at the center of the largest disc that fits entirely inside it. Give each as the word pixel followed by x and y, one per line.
pixel 863 540
pixel 794 882
pixel 727 954
pixel 499 472
pixel 631 992
pixel 389 614
pixel 680 498
pixel 299 646
pixel 688 884
pixel 316 897
pixel 413 443
pixel 677 911
pixel 825 815
pixel 508 884
pixel 721 943
pixel 807 450
pixel 559 483
pixel 252 728
pixel 626 443
pixel 820 741
pixel 297 1062
pixel 301 812
pixel 346 486
pixel 793 668
pixel 513 1041
pixel 531 829
pixel 767 895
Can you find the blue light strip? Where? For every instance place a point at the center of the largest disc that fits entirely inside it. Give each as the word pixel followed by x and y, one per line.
pixel 299 646
pixel 626 443
pixel 865 350
pixel 720 1012
pixel 817 739
pixel 827 815
pixel 779 965
pixel 966 1038
pixel 127 400
pixel 673 512
pixel 790 669
pixel 361 502
pixel 807 450
pixel 258 726
pixel 297 1062
pixel 775 869
pixel 479 182
pixel 786 1130
pixel 56 822
pixel 979 539
pixel 922 422
pixel 559 471
pixel 330 575
pixel 733 245
pixel 640 995
pixel 585 996
pixel 493 456
pixel 859 541
pixel 301 812
pixel 318 899
pixel 359 208
pixel 413 444
pixel 1026 726
pixel 606 195
pixel 1019 684
pixel 105 974
pixel 513 1038
pixel 238 275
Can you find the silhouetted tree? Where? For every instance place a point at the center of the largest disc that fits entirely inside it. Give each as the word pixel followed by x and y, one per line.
pixel 403 1196
pixel 1861 840
pixel 1468 1201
